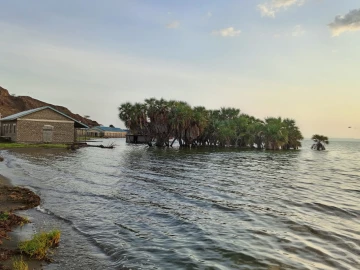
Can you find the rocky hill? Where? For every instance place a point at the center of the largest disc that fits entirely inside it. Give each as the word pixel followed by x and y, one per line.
pixel 10 104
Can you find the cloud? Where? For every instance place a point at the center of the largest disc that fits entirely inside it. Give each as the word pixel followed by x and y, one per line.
pixel 266 10
pixel 209 14
pixel 270 8
pixel 173 25
pixel 298 31
pixel 347 23
pixel 227 32
pixel 53 72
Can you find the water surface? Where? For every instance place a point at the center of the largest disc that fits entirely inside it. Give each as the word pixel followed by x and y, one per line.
pixel 147 208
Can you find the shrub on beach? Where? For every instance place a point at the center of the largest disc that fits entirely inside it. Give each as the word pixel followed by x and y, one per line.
pixel 4 216
pixel 19 264
pixel 39 246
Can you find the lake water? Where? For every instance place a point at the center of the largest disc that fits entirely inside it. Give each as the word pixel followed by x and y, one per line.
pixel 136 207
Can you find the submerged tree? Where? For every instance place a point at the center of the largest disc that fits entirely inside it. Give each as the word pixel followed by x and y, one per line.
pixel 275 133
pixel 319 140
pixel 293 133
pixel 160 120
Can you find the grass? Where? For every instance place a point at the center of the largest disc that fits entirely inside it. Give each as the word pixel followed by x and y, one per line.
pixel 39 246
pixel 19 264
pixel 26 145
pixel 24 221
pixel 4 216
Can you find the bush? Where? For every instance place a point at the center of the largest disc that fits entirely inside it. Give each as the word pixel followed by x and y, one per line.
pixel 4 216
pixel 19 264
pixel 38 247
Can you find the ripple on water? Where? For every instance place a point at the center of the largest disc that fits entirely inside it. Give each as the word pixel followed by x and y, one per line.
pixel 148 208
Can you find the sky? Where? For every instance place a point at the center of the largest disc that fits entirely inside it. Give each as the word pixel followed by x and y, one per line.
pixel 290 58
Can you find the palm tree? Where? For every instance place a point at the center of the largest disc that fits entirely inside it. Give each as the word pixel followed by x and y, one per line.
pixel 255 133
pixel 180 116
pixel 274 133
pixel 134 117
pixel 199 122
pixel 294 135
pixel 241 125
pixel 125 113
pixel 160 119
pixel 158 113
pixel 319 142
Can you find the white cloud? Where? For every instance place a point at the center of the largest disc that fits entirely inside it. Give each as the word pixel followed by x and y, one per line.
pixel 286 3
pixel 227 32
pixel 61 74
pixel 209 14
pixel 173 25
pixel 270 8
pixel 266 10
pixel 347 23
pixel 298 31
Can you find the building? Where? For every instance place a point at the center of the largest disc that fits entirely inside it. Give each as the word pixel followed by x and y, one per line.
pixel 40 125
pixel 141 139
pixel 106 132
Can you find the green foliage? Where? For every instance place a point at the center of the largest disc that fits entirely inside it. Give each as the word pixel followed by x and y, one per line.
pixel 161 119
pixel 24 145
pixel 39 246
pixel 319 140
pixel 19 264
pixel 4 216
pixel 24 221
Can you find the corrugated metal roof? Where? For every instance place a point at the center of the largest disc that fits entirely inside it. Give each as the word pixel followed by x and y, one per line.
pixel 24 113
pixel 20 114
pixel 110 129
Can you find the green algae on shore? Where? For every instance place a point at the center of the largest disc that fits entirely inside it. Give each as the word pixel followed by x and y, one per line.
pixel 25 145
pixel 11 199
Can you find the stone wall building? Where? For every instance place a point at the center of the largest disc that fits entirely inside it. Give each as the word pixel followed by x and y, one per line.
pixel 106 132
pixel 41 125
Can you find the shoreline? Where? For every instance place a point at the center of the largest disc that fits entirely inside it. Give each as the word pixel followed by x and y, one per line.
pixel 10 146
pixel 4 181
pixel 15 226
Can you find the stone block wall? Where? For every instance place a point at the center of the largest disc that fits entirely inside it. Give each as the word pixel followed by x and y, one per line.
pixel 32 131
pixel 46 114
pixel 109 134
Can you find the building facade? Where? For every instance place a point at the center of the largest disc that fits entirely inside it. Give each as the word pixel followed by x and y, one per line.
pixel 41 125
pixel 106 132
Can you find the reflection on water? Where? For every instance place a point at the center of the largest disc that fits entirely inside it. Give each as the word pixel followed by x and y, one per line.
pixel 149 208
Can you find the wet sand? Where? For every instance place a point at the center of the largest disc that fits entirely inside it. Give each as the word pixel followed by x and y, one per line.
pixel 4 181
pixel 13 199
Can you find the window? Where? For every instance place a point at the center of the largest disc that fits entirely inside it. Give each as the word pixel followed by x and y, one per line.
pixel 14 126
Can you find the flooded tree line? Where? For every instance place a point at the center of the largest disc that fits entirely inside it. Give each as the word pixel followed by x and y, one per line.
pixel 168 121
